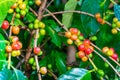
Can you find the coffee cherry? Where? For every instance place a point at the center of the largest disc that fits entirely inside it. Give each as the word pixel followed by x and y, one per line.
pixel 86 42
pixel 22 6
pixel 88 51
pixel 18 52
pixel 14 6
pixel 23 12
pixel 41 25
pixel 43 70
pixel 49 66
pixel 10 11
pixel 118 24
pixel 36 26
pixel 30 26
pixel 114 25
pixel 93 38
pixel 14 53
pixel 17 15
pixel 19 1
pixel 115 20
pixel 31 60
pixel 81 54
pixel 74 37
pixel 38 2
pixel 19 44
pixel 30 2
pixel 97 15
pixel 15 46
pixel 100 20
pixel 106 65
pixel 69 41
pixel 100 72
pixel 68 34
pixel 36 50
pixel 8 49
pixel 84 59
pixel 91 47
pixel 81 37
pixel 74 31
pixel 109 53
pixel 15 30
pixel 114 31
pixel 42 31
pixel 81 47
pixel 36 21
pixel 105 49
pixel 15 38
pixel 17 10
pixel 5 25
pixel 115 56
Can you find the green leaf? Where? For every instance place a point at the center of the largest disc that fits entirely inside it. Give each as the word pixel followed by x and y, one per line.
pixel 4 7
pixel 76 74
pixel 67 17
pixel 89 24
pixel 7 74
pixel 30 17
pixel 60 63
pixel 55 38
pixel 18 22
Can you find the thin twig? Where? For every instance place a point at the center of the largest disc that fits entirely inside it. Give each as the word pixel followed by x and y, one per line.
pixel 33 12
pixel 55 77
pixel 107 62
pixel 49 3
pixel 72 11
pixel 57 20
pixel 45 42
pixel 101 51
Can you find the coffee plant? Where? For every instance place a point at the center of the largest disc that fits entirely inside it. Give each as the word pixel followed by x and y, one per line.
pixel 59 40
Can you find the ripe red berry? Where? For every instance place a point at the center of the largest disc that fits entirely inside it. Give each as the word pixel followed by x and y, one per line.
pixel 36 50
pixel 88 51
pixel 100 20
pixel 19 44
pixel 5 25
pixel 15 46
pixel 74 30
pixel 81 54
pixel 115 56
pixel 86 42
pixel 81 47
pixel 15 39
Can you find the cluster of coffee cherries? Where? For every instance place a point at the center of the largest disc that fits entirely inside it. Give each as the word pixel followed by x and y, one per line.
pixel 74 36
pixel 99 19
pixel 115 25
pixel 20 7
pixel 37 2
pixel 43 70
pixel 110 52
pixel 85 49
pixel 15 46
pixel 38 25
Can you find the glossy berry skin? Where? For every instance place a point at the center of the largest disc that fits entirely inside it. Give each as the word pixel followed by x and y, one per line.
pixel 19 44
pixel 8 49
pixel 31 60
pixel 115 56
pixel 43 70
pixel 81 54
pixel 84 59
pixel 15 39
pixel 100 72
pixel 115 20
pixel 15 30
pixel 100 20
pixel 86 42
pixel 15 46
pixel 88 51
pixel 105 49
pixel 114 31
pixel 69 41
pixel 74 37
pixel 81 47
pixel 97 15
pixel 36 50
pixel 22 6
pixel 68 34
pixel 109 52
pixel 5 25
pixel 38 2
pixel 74 31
